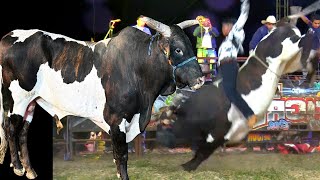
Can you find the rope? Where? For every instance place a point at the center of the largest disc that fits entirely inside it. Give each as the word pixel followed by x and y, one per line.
pixel 94 20
pixel 180 65
pixel 151 40
pixel 173 66
pixel 265 65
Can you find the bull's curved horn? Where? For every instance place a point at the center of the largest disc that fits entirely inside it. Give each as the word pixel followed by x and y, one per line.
pixel 158 26
pixel 187 23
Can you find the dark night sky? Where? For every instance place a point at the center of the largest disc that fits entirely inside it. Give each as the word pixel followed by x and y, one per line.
pixel 83 19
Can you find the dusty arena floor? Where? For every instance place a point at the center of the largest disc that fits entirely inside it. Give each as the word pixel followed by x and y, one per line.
pixel 222 166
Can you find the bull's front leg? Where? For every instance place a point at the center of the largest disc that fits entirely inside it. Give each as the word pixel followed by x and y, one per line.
pixel 120 151
pixel 204 150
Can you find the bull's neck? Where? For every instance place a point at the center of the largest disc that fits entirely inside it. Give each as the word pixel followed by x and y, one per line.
pixel 261 83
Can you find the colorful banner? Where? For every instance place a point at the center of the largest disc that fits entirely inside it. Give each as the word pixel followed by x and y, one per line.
pixel 284 112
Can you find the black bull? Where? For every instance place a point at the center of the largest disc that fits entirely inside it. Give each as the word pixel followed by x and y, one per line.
pixel 208 119
pixel 107 81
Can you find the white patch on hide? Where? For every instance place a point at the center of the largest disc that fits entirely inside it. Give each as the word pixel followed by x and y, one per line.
pixel 210 139
pixel 84 99
pixel 131 129
pixel 259 99
pixel 239 128
pixel 24 34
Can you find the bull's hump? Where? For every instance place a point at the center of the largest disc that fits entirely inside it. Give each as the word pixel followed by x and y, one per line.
pixel 22 35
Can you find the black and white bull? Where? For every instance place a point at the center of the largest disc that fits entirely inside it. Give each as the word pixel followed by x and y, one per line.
pixel 209 120
pixel 112 82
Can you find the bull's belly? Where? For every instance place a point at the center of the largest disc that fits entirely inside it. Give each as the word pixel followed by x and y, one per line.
pixel 85 99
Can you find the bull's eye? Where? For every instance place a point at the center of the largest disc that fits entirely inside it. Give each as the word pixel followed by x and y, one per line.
pixel 179 51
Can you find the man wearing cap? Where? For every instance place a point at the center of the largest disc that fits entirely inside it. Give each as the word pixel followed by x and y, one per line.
pixel 268 25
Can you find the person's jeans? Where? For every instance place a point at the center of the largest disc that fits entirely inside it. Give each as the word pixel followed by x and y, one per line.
pixel 229 72
pixel 207 63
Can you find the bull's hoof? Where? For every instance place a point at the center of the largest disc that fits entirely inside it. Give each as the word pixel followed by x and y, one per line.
pixel 31 174
pixel 19 172
pixel 1 158
pixel 188 167
pixel 2 154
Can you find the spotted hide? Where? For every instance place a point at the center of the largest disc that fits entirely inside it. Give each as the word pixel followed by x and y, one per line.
pixel 112 82
pixel 209 120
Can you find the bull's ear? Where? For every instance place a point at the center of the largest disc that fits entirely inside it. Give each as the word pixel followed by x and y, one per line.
pixel 164 45
pixel 187 23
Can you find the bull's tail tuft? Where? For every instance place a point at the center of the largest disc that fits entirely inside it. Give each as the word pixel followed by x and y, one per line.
pixel 3 139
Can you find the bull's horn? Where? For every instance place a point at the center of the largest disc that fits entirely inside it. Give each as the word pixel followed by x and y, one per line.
pixel 158 26
pixel 187 23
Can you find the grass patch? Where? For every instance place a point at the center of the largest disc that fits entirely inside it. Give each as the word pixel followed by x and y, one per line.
pixel 220 166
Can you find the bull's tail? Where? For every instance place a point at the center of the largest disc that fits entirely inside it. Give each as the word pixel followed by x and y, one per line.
pixel 3 139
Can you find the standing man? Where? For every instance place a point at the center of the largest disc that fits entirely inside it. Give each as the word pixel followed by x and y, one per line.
pixel 206 43
pixel 228 65
pixel 314 25
pixel 268 25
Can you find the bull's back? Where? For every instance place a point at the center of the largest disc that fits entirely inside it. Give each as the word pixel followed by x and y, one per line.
pixel 24 51
pixel 56 70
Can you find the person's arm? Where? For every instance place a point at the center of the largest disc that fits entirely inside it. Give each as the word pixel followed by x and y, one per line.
pixel 256 38
pixel 237 34
pixel 214 32
pixel 245 7
pixel 305 19
pixel 196 32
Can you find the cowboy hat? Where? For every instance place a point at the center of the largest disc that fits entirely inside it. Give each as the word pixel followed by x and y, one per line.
pixel 270 19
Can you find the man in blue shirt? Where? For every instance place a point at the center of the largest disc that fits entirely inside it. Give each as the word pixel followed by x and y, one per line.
pixel 314 25
pixel 268 25
pixel 142 25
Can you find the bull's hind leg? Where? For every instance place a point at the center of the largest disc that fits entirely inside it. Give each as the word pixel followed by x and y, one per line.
pixel 120 151
pixel 204 150
pixel 31 174
pixel 13 128
pixel 4 141
pixel 23 137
